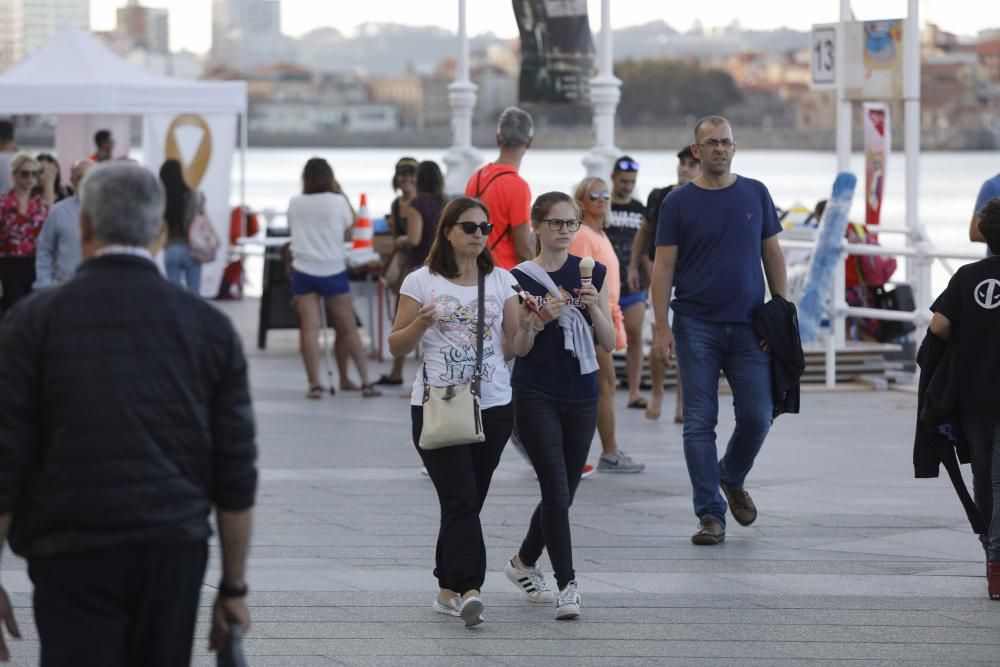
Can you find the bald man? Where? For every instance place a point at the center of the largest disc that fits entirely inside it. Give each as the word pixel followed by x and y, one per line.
pixel 58 252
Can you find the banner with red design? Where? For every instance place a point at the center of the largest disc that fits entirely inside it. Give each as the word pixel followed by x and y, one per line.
pixel 878 143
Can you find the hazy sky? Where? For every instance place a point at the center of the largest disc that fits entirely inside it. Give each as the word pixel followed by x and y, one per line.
pixel 190 20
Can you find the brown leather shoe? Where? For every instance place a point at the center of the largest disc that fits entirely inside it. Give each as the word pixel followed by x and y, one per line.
pixel 741 505
pixel 993 579
pixel 709 532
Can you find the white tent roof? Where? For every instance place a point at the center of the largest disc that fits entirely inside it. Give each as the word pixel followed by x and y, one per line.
pixel 74 74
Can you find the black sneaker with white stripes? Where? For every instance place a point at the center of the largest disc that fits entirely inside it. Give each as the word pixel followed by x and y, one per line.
pixel 530 580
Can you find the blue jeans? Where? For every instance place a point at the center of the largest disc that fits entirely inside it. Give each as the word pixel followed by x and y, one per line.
pixel 703 350
pixel 177 260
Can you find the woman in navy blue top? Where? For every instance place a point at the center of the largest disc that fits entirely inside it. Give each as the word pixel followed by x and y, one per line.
pixel 555 392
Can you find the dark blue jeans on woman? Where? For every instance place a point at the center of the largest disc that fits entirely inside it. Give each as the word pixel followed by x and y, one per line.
pixel 556 437
pixel 703 350
pixel 461 476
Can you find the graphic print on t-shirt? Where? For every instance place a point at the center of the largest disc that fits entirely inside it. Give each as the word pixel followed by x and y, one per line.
pixel 987 294
pixel 458 322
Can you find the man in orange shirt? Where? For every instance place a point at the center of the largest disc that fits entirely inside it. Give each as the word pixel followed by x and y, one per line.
pixel 505 193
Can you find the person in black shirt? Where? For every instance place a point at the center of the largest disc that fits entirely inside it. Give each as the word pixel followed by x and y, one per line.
pixel 628 216
pixel 968 313
pixel 643 250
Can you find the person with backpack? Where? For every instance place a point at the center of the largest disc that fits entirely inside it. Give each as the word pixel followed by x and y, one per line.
pixel 505 193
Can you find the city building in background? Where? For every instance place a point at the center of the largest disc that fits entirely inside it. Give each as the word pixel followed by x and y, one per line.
pixel 147 27
pixel 247 34
pixel 28 24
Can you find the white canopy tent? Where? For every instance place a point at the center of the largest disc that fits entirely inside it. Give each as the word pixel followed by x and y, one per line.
pixel 86 85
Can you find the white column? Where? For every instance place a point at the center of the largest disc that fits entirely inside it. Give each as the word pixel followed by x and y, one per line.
pixel 918 269
pixel 844 130
pixel 844 140
pixel 605 91
pixel 461 159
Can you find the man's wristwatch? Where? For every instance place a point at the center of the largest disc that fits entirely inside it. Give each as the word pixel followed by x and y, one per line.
pixel 230 591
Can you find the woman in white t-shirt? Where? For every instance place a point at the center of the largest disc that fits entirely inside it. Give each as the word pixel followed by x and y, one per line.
pixel 319 220
pixel 438 308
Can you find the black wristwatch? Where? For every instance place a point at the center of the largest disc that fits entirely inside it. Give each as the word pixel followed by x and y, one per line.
pixel 228 591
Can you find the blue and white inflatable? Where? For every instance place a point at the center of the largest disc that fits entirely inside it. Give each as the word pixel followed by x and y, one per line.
pixel 825 258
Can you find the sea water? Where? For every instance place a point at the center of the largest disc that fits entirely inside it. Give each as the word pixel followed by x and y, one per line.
pixel 949 182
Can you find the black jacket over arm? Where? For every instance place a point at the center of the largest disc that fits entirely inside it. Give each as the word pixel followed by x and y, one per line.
pixel 938 439
pixel 125 416
pixel 777 323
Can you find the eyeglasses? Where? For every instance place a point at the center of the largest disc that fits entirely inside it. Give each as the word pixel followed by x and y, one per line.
pixel 594 196
pixel 25 173
pixel 471 227
pixel 626 165
pixel 715 143
pixel 555 224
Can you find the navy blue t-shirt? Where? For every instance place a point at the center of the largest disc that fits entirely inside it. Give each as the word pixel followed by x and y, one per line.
pixel 718 233
pixel 548 368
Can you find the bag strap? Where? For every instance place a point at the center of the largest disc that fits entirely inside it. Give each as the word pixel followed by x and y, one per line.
pixel 479 193
pixel 477 374
pixel 477 378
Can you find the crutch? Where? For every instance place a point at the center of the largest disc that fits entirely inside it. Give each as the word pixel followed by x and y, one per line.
pixel 326 343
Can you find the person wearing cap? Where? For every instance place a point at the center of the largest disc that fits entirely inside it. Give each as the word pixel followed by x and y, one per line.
pixel 643 250
pixel 627 216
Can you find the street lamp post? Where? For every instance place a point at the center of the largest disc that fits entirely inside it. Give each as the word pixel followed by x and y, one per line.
pixel 605 91
pixel 462 159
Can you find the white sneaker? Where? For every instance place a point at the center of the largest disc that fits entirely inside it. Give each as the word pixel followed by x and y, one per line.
pixel 452 608
pixel 568 607
pixel 530 580
pixel 471 611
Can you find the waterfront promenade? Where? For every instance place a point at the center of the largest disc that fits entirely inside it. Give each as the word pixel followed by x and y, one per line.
pixel 851 559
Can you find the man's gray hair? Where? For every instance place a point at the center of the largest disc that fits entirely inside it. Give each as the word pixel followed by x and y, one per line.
pixel 515 128
pixel 124 202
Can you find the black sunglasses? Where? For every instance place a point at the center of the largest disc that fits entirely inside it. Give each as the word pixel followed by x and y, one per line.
pixel 471 227
pixel 555 224
pixel 626 165
pixel 24 173
pixel 594 196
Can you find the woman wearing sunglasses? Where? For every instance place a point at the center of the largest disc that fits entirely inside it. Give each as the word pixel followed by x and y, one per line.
pixel 439 309
pixel 593 196
pixel 22 213
pixel 555 392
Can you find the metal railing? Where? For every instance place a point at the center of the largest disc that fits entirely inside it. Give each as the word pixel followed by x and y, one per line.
pixel 921 255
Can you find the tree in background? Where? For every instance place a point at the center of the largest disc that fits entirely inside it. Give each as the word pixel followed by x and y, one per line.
pixel 653 90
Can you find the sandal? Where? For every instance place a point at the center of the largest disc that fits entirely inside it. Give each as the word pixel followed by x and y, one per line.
pixel 316 392
pixel 638 404
pixel 369 391
pixel 388 381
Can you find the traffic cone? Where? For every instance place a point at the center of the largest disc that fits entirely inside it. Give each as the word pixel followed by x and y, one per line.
pixel 362 236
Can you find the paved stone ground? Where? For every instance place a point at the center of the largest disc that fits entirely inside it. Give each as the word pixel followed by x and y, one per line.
pixel 851 560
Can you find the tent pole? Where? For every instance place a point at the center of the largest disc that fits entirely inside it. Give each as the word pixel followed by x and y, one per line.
pixel 244 134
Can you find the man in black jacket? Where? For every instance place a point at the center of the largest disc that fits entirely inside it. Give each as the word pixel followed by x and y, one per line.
pixel 126 418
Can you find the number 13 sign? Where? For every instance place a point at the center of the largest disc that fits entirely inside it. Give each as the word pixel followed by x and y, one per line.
pixel 823 56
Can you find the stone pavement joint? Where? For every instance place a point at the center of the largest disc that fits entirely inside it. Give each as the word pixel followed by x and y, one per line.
pixel 850 561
